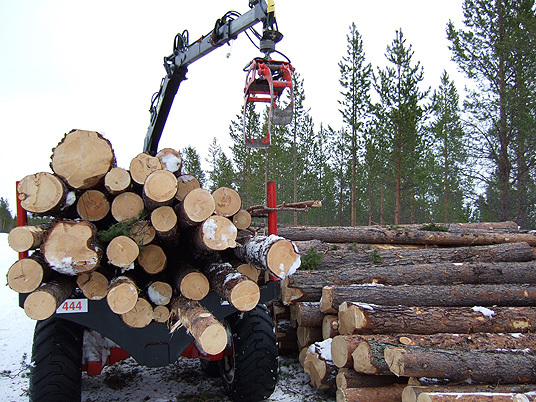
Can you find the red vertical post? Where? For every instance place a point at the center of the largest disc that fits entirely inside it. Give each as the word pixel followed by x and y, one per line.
pixel 22 219
pixel 271 195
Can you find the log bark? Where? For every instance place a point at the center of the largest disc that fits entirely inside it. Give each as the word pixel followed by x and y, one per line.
pixel 196 207
pixel 122 294
pixel 308 314
pixel 142 165
pixel 240 291
pixel 122 251
pixel 164 221
pixel 429 295
pixel 170 160
pixel 209 334
pixel 373 319
pixel 227 201
pixel 159 189
pixel 159 293
pixel 383 235
pixel 368 358
pixel 262 210
pixel 271 253
pixel 142 232
pixel 242 219
pixel 330 326
pixel 43 302
pixel 343 346
pixel 27 274
pixel 153 259
pixel 217 233
pixel 93 206
pixel 127 205
pixel 308 335
pixel 44 193
pixel 311 292
pixel 24 238
pixel 140 315
pixel 186 183
pixel 161 314
pixel 391 393
pixel 82 159
pixel 349 378
pixel 190 282
pixel 412 393
pixel 475 397
pixel 485 367
pixel 71 248
pixel 117 181
pixel 94 285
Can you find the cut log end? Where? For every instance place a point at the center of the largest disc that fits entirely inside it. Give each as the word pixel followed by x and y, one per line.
pixel 122 252
pixel 122 295
pixel 194 286
pixel 127 205
pixel 213 340
pixel 282 258
pixel 242 219
pixel 92 206
pixel 40 305
pixel 160 293
pixel 41 193
pixel 142 165
pixel 160 187
pixel 227 201
pixel 186 183
pixel 25 275
pixel 24 238
pixel 216 233
pixel 153 259
pixel 142 233
pixel 140 315
pixel 245 295
pixel 117 181
pixel 94 285
pixel 161 314
pixel 197 206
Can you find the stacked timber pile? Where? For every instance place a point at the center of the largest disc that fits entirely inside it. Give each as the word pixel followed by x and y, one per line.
pixel 148 239
pixel 400 310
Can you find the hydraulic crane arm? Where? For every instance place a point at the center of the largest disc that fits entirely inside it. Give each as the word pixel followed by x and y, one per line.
pixel 176 65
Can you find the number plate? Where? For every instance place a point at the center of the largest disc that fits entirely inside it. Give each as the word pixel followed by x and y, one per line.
pixel 73 306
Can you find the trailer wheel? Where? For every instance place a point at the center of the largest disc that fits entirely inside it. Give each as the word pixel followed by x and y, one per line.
pixel 250 372
pixel 57 361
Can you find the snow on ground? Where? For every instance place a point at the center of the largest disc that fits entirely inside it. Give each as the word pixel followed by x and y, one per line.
pixel 126 381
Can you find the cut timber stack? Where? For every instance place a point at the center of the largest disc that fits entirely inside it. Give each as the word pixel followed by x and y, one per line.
pixel 402 309
pixel 148 240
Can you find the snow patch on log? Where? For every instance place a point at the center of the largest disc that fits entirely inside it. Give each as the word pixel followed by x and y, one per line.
pixel 156 297
pixel 484 311
pixel 171 162
pixel 364 306
pixel 323 349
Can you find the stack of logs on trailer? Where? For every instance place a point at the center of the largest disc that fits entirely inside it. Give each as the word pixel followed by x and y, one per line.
pixel 148 239
pixel 406 314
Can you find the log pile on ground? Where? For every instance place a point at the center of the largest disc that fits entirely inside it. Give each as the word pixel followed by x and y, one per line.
pixel 414 313
pixel 148 240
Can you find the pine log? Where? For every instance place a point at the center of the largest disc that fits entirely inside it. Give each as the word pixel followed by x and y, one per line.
pixel 391 393
pixel 237 289
pixel 303 206
pixel 378 234
pixel 164 221
pixel 44 193
pixel 227 201
pixel 271 253
pixel 242 219
pixel 374 319
pixel 453 226
pixel 475 397
pixel 321 369
pixel 140 315
pixel 127 205
pixel 343 346
pixel 159 189
pixel 26 274
pixel 93 206
pixel 117 181
pixel 94 285
pixel 250 271
pixel 24 238
pixel 142 165
pixel 330 326
pixel 142 232
pixel 82 159
pixel 217 233
pixel 43 302
pixel 153 259
pixel 368 358
pixel 486 367
pixel 186 183
pixel 196 207
pixel 190 282
pixel 170 160
pixel 210 335
pixel 122 294
pixel 298 292
pixel 161 314
pixel 349 378
pixel 429 295
pixel 308 335
pixel 159 293
pixel 308 314
pixel 293 314
pixel 122 251
pixel 412 393
pixel 71 248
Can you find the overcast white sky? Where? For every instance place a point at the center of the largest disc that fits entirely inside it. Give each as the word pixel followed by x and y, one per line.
pixel 94 65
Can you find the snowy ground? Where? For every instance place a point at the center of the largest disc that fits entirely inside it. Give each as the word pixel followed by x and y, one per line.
pixel 125 381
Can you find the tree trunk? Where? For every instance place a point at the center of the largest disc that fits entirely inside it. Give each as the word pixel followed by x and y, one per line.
pixel 43 302
pixel 127 205
pixel 26 274
pixel 93 206
pixel 349 378
pixel 142 165
pixel 170 160
pixel 186 183
pixel 330 326
pixel 431 320
pixel 94 285
pixel 429 295
pixel 240 291
pixel 378 234
pixel 44 193
pixel 217 233
pixel 227 201
pixel 153 259
pixel 117 181
pixel 390 393
pixel 122 251
pixel 159 189
pixel 190 282
pixel 197 206
pixel 122 294
pixel 70 247
pixel 486 367
pixel 208 332
pixel 140 315
pixel 82 159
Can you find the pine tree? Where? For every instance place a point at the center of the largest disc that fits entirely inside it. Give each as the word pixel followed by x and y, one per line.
pixel 6 220
pixel 192 164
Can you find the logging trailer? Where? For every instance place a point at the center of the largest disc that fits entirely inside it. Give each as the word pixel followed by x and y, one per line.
pixel 248 366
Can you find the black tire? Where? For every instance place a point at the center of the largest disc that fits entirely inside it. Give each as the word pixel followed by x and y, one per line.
pixel 211 369
pixel 57 361
pixel 250 373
